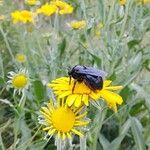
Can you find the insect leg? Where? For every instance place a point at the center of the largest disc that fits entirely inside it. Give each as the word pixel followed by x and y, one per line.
pixel 75 81
pixel 70 80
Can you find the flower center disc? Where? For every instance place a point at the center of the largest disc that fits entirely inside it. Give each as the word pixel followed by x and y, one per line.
pixel 20 81
pixel 63 119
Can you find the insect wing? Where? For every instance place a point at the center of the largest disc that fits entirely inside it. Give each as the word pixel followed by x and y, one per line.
pixel 94 83
pixel 91 71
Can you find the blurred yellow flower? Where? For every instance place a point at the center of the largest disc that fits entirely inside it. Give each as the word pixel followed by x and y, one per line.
pixel 63 7
pixel 1 2
pixel 22 16
pixel 21 58
pixel 98 28
pixel 97 33
pixel 78 24
pixel 32 2
pixel 82 93
pixel 62 121
pixel 47 9
pixel 26 16
pixel 2 17
pixel 19 81
pixel 146 1
pixel 100 25
pixel 16 17
pixel 122 2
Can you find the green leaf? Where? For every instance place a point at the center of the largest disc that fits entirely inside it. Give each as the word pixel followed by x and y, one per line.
pixel 62 47
pixel 1 81
pixel 125 127
pixel 104 142
pixel 115 144
pixel 39 90
pixel 96 59
pixel 133 43
pixel 137 133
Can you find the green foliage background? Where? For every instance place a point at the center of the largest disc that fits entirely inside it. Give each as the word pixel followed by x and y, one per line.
pixel 122 50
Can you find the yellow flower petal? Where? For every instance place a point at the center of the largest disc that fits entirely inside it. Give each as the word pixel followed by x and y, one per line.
pixel 81 123
pixel 77 132
pixel 111 97
pixel 51 132
pixel 69 136
pixel 63 136
pixel 65 94
pixel 107 83
pixel 77 102
pixel 70 99
pixel 85 100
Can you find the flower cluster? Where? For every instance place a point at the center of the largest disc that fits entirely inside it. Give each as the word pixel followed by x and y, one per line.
pixel 23 16
pixel 55 7
pixel 47 9
pixel 68 115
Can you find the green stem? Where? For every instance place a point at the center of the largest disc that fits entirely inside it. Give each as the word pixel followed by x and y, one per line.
pixel 22 100
pixel 7 44
pixel 1 67
pixel 83 143
pixel 99 117
pixel 1 143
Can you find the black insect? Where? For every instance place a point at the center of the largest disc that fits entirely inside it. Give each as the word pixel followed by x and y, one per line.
pixel 92 77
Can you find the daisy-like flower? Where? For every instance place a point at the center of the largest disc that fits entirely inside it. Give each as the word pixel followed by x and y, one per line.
pixel 83 94
pixel 19 81
pixel 122 2
pixel 63 7
pixel 62 121
pixel 24 16
pixel 21 58
pixel 77 24
pixel 47 9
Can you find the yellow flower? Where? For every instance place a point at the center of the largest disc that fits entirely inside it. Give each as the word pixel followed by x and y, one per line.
pixel 47 9
pixel 22 16
pixel 78 24
pixel 63 7
pixel 122 2
pixel 16 17
pixel 21 58
pixel 32 2
pixel 97 30
pixel 100 25
pixel 97 33
pixel 146 1
pixel 26 16
pixel 62 121
pixel 19 81
pixel 1 2
pixel 82 94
